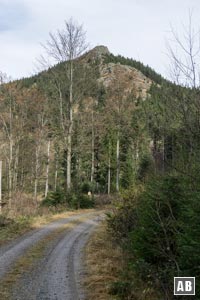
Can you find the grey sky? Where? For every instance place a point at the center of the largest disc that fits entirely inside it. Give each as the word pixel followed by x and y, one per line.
pixel 133 28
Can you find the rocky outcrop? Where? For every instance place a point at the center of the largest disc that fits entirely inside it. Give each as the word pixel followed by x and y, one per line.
pixel 96 53
pixel 125 77
pixel 101 50
pixel 113 75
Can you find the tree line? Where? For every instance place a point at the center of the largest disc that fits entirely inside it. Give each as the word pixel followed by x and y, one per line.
pixel 62 130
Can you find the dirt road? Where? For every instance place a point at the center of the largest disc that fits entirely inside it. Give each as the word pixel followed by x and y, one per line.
pixel 46 263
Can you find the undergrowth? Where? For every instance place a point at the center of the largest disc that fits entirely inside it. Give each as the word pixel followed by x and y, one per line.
pixel 158 229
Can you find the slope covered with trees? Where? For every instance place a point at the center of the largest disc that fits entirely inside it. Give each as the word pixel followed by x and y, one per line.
pixel 99 123
pixel 156 222
pixel 74 127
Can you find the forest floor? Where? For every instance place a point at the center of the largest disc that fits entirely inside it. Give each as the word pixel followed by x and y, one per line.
pixel 46 263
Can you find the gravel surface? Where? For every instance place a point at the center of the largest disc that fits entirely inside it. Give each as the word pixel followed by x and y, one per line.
pixel 57 275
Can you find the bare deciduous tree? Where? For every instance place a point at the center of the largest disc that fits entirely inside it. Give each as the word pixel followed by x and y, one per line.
pixel 47 169
pixel 65 46
pixel 184 53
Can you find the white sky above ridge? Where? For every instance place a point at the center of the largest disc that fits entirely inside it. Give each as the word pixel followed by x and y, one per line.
pixel 132 28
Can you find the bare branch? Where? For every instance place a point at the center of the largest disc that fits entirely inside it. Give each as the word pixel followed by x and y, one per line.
pixel 185 55
pixel 67 44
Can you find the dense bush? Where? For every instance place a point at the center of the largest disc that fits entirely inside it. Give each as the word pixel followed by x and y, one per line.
pixel 54 198
pixel 123 220
pixel 162 233
pixel 80 200
pixel 145 167
pixel 86 187
pixel 72 199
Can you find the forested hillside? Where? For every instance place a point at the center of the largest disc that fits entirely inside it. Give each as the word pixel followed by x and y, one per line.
pixel 95 123
pixel 156 222
pixel 108 136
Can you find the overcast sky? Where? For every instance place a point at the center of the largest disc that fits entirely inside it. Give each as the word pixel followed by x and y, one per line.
pixel 133 28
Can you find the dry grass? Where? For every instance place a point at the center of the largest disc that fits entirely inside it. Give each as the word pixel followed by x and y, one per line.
pixel 20 225
pixel 103 263
pixel 44 219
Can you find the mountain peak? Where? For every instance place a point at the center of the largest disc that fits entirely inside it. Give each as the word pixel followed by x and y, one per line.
pixel 96 53
pixel 99 50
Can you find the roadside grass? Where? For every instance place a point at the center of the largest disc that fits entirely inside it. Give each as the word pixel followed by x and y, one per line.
pixel 106 266
pixel 103 264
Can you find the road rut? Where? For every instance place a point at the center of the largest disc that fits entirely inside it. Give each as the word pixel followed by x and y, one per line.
pixel 56 275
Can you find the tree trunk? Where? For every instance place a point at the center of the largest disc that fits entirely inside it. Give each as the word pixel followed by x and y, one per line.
pixel 0 187
pixel 61 110
pixel 69 154
pixel 56 175
pixel 10 156
pixel 10 172
pixel 118 165
pixel 22 179
pixel 92 162
pixel 47 169
pixel 69 138
pixel 16 169
pixel 163 155
pixel 36 171
pixel 109 175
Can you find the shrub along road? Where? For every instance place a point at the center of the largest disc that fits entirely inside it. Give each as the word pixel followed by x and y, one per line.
pixel 46 263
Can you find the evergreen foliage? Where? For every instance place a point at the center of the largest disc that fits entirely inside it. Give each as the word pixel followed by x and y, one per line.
pixel 146 70
pixel 158 229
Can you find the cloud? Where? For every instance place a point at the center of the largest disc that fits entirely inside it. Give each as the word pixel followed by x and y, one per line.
pixel 133 28
pixel 13 15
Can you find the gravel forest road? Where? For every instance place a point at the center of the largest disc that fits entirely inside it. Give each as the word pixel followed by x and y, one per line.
pixel 55 269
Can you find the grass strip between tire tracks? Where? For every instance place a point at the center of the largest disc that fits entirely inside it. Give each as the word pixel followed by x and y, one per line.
pixel 26 262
